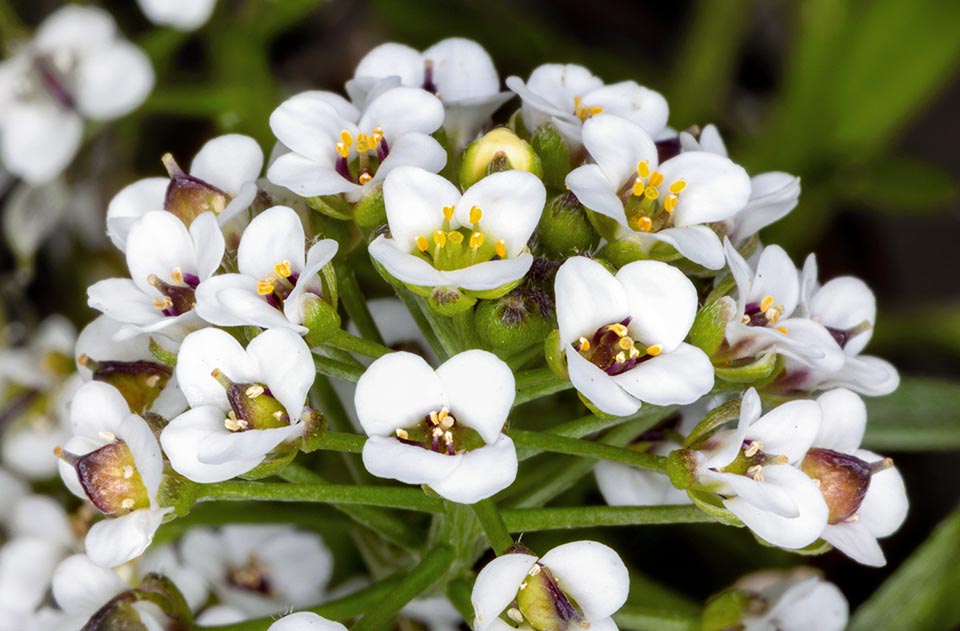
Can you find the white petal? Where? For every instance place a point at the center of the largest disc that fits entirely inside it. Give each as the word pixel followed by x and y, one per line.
pixel 319 255
pixel 490 275
pixel 773 195
pixel 131 203
pixel 232 300
pixel 679 377
pixel 158 244
pixel 79 585
pixel 403 110
pixel 274 236
pixel 511 203
pixel 716 187
pixel 387 457
pixel 750 410
pixel 588 297
pixel 184 15
pixel 78 27
pixel 228 162
pixel 145 450
pixel 700 244
pixel 462 69
pixel 405 267
pixel 857 542
pixel 208 244
pixel 633 102
pixel 844 303
pixel 307 177
pixel 885 505
pixel 116 540
pixel 465 118
pixel 414 200
pixel 309 125
pixel 412 149
pixel 496 587
pixel 181 440
pixel 867 375
pixel 599 387
pixel 785 532
pixel 789 429
pixel 778 277
pixel 481 473
pixel 222 447
pixel 592 573
pixel 823 607
pixel 711 141
pixel 392 59
pixel 596 192
pixel 844 421
pixel 113 81
pixel 622 485
pixel 760 495
pixel 479 389
pixel 618 146
pixel 26 568
pixel 662 302
pixel 201 353
pixel 286 365
pixel 38 140
pixel 306 563
pixel 97 407
pixel 305 621
pixel 397 390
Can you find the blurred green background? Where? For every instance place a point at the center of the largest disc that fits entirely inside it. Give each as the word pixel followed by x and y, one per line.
pixel 859 98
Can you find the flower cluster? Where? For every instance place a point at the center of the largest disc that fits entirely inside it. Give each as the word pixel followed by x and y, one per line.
pixel 586 246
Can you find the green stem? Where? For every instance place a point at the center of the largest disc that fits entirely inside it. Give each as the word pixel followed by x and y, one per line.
pixel 493 525
pixel 520 359
pixel 562 518
pixel 338 369
pixel 589 449
pixel 356 306
pixel 359 345
pixel 340 441
pixel 341 609
pixel 432 567
pixel 385 496
pixel 631 618
pixel 414 306
pixel 537 383
pixel 459 592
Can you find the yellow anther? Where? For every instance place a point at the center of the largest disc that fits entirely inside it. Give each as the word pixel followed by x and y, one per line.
pixel 626 343
pixel 654 349
pixel 514 614
pixel 343 150
pixel 593 110
pixel 346 138
pixel 164 302
pixel 678 186
pixel 433 417
pixel 283 269
pixel 402 434
pixel 651 192
pixel 152 380
pixel 745 319
pixel 773 315
pixel 422 244
pixel 644 224
pixel 584 112
pixel 534 569
pixel 475 215
pixel 782 329
pixel 455 236
pixel 266 286
pixel 643 169
pixel 442 414
pixel 501 249
pixel 364 178
pixel 448 212
pixel 362 143
pixel 618 328
pixel 254 391
pixel 128 471
pixel 670 203
pixel 176 275
pixel 638 187
pixel 766 303
pixel 377 135
pixel 656 178
pixel 127 503
pixel 107 436
pixel 476 240
pixel 584 344
pixel 621 357
pixel 756 472
pixel 440 238
pixel 753 449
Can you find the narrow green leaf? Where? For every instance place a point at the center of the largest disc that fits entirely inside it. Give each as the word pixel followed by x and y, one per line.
pixel 922 415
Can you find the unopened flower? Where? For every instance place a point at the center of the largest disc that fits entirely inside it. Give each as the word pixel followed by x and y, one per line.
pixel 183 15
pixel 864 492
pixel 114 461
pixel 75 68
pixel 575 585
pixel 623 335
pixel 457 70
pixel 752 469
pixel 260 570
pixel 337 148
pixel 568 95
pixel 277 275
pixel 654 203
pixel 443 427
pixel 476 241
pixel 305 621
pixel 245 402
pixel 222 179
pixel 772 195
pixel 167 261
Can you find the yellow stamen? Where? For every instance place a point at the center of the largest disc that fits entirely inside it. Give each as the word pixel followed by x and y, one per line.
pixel 345 138
pixel 448 212
pixel 127 503
pixel 772 315
pixel 651 192
pixel 638 187
pixel 176 275
pixel 266 287
pixel 644 224
pixel 766 303
pixel 422 244
pixel 402 434
pixel 584 344
pixel 164 302
pixel 670 203
pixel 643 169
pixel 362 143
pixel 475 215
pixel 476 240
pixel 455 237
pixel 343 150
pixel 626 343
pixel 656 178
pixel 677 187
pixel 283 269
pixel 618 328
pixel 654 349
pixel 621 357
pixel 254 391
pixel 782 329
pixel 440 238
pixel 501 249
pixel 377 135
pixel 364 178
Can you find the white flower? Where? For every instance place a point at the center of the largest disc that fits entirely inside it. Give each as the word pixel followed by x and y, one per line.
pixel 244 402
pixel 766 315
pixel 337 148
pixel 40 364
pixel 751 467
pixel 166 560
pixel 847 308
pixel 568 95
pixel 305 621
pixel 167 261
pixel 183 15
pixel 434 612
pixel 623 485
pixel 798 600
pixel 277 275
pixel 441 428
pixel 864 492
pixel 652 202
pixel 476 241
pixel 222 180
pixel 521 589
pixel 26 569
pixel 114 461
pixel 75 68
pixel 459 71
pixel 260 570
pixel 623 335
pixel 772 195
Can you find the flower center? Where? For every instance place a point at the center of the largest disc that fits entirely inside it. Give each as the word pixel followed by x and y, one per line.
pixel 648 208
pixel 359 157
pixel 764 313
pixel 140 382
pixel 583 112
pixel 109 476
pixel 543 605
pixel 450 249
pixel 612 350
pixel 751 459
pixel 440 432
pixel 276 287
pixel 177 296
pixel 253 576
pixel 53 74
pixel 252 405
pixel 843 336
pixel 843 480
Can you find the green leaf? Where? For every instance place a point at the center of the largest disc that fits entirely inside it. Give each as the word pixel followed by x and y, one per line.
pixel 871 185
pixel 922 415
pixel 922 593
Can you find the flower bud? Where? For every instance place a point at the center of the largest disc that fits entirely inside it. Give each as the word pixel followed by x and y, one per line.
pixel 188 197
pixel 543 605
pixel 110 478
pixel 617 252
pixel 844 480
pixel 564 228
pixel 682 467
pixel 314 427
pixel 321 318
pixel 140 382
pixel 727 609
pixel 549 144
pixel 497 150
pixel 332 206
pixel 758 372
pixel 709 327
pixel 370 211
pixel 449 301
pixel 511 323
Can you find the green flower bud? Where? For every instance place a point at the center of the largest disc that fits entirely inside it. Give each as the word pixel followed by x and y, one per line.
pixel 449 301
pixel 511 323
pixel 565 230
pixel 727 609
pixel 178 493
pixel 188 197
pixel 140 382
pixel 497 150
pixel 619 252
pixel 321 318
pixel 164 593
pixel 709 327
pixel 332 206
pixel 370 212
pixel 682 468
pixel 549 144
pixel 758 372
